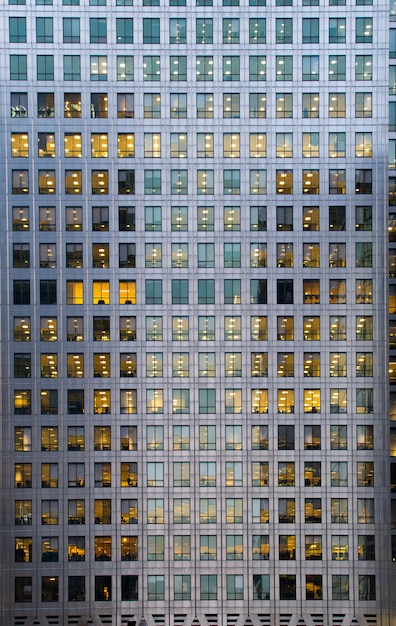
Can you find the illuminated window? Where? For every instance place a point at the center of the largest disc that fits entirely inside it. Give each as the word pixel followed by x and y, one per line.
pixel 337 105
pixel 284 105
pixel 284 182
pixel 100 292
pixel 73 182
pixel 99 145
pixel 19 145
pixel 72 145
pixel 73 218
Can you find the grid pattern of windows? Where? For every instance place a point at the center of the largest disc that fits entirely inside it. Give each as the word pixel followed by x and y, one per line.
pixel 150 242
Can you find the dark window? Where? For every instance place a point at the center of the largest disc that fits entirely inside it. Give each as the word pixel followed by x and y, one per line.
pixel 129 588
pixel 286 437
pixel 285 291
pixel 21 291
pixel 76 588
pixel 75 401
pixel 102 588
pixel 287 587
pixel 48 292
pixel 126 182
pixel 23 589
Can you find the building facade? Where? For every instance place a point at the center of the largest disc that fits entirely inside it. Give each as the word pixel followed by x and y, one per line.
pixel 194 313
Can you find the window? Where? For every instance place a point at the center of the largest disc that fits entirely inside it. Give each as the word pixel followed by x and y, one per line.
pixel 367 587
pixel 207 511
pixel 231 68
pixel 71 30
pixel 151 30
pixel 310 105
pixel 19 104
pixel 181 474
pixel 257 67
pixel 232 291
pixel 180 330
pixel 178 68
pixel 230 30
pixel 208 547
pixel 286 474
pixel 20 145
pixel 258 106
pixel 102 475
pixel 48 293
pixel 181 511
pixel 364 364
pixel 44 31
pixel 313 587
pixel 233 474
pixel 366 547
pixel 363 105
pixel 204 30
pixel 339 474
pixel 310 145
pixel 337 69
pixel 284 30
pixel 49 512
pixel 260 474
pixel 49 365
pixel 310 67
pixel 337 30
pixel 312 473
pixel 285 293
pixel 23 549
pixel 234 586
pixel 17 29
pixel 124 30
pixel 46 145
pixel 232 218
pixel 72 71
pixel 18 66
pixel 337 105
pixel 103 588
pixel 234 547
pixel 151 67
pixel 261 551
pixel 180 291
pixel 340 587
pixel 313 510
pixel 178 145
pixel 310 30
pixel 363 67
pixel 208 586
pixel 182 587
pixel 284 146
pixel 181 547
pixel 260 511
pixel 313 547
pixel 75 438
pixel 234 511
pixel 259 399
pixel 102 511
pixel 364 30
pixel 177 30
pixel 337 145
pixel 129 475
pixel 284 67
pixel 284 180
pixel 73 148
pixel 128 438
pixel 204 105
pixel 364 218
pixel 181 438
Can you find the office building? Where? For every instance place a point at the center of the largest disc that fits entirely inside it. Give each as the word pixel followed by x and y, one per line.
pixel 196 406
